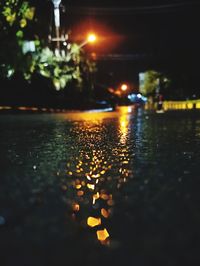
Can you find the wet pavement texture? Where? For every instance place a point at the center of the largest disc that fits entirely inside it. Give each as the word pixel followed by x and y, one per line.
pixel 116 188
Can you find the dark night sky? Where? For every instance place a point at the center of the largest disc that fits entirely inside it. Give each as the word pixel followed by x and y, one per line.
pixel 138 26
pixel 138 34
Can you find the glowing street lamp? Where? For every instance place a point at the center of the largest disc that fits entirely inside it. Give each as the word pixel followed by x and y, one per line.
pixel 124 87
pixel 91 38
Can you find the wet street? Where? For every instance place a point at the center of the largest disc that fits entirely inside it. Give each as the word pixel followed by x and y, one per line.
pixel 115 188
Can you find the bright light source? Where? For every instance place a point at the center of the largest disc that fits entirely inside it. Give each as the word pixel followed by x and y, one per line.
pixel 124 87
pixel 139 95
pixel 91 38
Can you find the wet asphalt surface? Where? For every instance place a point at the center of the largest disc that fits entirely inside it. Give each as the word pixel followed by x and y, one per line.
pixel 136 173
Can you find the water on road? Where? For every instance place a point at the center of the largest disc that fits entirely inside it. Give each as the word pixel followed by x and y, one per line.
pixel 116 188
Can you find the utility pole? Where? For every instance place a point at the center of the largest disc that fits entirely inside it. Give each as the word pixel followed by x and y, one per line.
pixel 56 4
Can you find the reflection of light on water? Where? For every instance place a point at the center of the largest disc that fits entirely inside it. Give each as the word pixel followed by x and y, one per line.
pixel 125 109
pixel 123 128
pixel 104 213
pixel 90 182
pixel 92 186
pixel 95 197
pixel 102 235
pixel 89 193
pixel 75 207
pixel 90 117
pixel 92 221
pixel 124 123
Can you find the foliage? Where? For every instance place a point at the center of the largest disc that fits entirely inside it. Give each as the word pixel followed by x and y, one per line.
pixel 17 12
pixel 69 66
pixel 153 82
pixel 15 15
pixel 60 69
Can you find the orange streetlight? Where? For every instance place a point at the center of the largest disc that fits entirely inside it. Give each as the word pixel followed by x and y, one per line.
pixel 91 38
pixel 124 87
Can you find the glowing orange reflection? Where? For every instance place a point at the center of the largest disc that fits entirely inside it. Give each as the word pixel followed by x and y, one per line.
pixel 75 207
pixel 123 127
pixel 104 213
pixel 102 235
pixel 90 180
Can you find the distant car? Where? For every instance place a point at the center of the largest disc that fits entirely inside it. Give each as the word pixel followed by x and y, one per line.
pixel 137 98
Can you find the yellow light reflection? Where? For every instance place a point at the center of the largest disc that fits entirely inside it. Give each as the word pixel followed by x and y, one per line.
pixel 96 175
pixel 88 177
pixel 94 186
pixel 92 221
pixel 78 186
pixel 88 117
pixel 123 127
pixel 95 197
pixel 125 109
pixel 91 186
pixel 102 235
